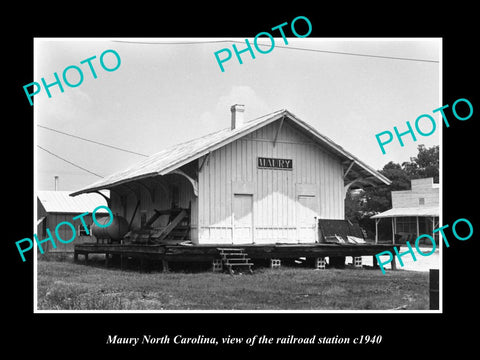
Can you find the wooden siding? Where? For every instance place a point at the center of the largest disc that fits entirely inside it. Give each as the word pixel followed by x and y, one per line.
pixel 64 231
pixel 421 188
pixel 233 169
pixel 161 200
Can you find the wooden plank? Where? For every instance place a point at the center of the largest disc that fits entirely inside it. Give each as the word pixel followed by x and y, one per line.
pixel 348 169
pixel 164 232
pixel 206 253
pixel 205 158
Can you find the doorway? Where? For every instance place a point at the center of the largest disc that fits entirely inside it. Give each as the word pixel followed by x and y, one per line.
pixel 242 218
pixel 306 218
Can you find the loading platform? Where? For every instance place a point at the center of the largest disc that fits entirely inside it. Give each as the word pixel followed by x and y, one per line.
pixel 212 252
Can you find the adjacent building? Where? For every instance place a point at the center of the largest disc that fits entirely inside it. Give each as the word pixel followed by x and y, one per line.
pixel 55 207
pixel 414 212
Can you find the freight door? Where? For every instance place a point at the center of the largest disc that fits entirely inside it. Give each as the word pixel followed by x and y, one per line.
pixel 306 218
pixel 242 218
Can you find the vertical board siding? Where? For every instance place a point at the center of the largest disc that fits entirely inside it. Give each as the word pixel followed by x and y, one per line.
pixel 161 200
pixel 274 192
pixel 64 231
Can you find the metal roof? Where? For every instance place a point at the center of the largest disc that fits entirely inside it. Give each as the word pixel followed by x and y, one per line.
pixel 411 211
pixel 61 202
pixel 176 156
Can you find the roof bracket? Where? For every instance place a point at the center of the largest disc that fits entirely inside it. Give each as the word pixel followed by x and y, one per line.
pixel 105 197
pixel 349 168
pixel 192 181
pixel 205 159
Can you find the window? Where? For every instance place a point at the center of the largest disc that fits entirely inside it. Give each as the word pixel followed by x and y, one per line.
pixel 406 224
pixel 421 201
pixel 82 232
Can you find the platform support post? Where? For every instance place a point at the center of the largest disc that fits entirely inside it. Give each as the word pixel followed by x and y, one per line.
pixel 320 263
pixel 275 263
pixel 357 261
pixel 165 265
pixel 217 265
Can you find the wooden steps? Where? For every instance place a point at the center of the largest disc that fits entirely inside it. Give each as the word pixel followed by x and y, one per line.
pixel 235 258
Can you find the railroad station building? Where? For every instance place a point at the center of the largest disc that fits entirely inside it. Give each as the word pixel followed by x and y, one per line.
pixel 263 181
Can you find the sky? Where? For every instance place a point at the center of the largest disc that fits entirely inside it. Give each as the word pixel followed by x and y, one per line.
pixel 170 90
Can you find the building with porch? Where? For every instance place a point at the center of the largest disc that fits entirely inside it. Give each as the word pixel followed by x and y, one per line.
pixel 414 212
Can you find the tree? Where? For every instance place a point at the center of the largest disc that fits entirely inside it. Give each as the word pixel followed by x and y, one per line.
pixel 361 206
pixel 425 164
pixel 379 198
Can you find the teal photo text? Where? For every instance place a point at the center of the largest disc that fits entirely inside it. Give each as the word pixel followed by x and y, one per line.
pixel 425 124
pixel 466 224
pixel 29 243
pixel 73 75
pixel 224 55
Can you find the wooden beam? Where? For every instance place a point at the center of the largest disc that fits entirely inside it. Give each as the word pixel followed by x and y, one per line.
pixel 393 232
pixel 205 158
pixel 133 215
pixel 278 131
pixel 153 218
pixel 418 228
pixel 348 169
pixel 164 233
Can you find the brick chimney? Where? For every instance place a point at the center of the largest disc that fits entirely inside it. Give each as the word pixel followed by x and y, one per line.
pixel 237 115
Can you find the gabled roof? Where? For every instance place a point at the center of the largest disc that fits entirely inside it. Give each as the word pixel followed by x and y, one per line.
pixel 176 156
pixel 61 202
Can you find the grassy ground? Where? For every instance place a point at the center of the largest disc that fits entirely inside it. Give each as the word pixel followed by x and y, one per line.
pixel 63 285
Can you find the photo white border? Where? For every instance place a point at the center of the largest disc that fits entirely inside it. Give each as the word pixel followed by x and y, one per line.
pixel 160 40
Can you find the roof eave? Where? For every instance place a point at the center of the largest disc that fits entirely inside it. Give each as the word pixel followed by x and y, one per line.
pixel 340 151
pixel 213 147
pixel 240 133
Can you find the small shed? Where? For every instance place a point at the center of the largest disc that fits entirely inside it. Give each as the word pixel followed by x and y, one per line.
pixel 54 207
pixel 414 212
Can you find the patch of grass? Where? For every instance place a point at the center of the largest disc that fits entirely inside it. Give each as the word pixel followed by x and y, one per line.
pixel 65 285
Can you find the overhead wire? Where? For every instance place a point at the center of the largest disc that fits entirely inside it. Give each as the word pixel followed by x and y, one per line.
pixel 283 47
pixel 208 42
pixel 350 53
pixel 92 141
pixel 68 161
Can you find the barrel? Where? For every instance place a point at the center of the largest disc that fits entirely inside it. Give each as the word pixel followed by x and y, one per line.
pixel 115 231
